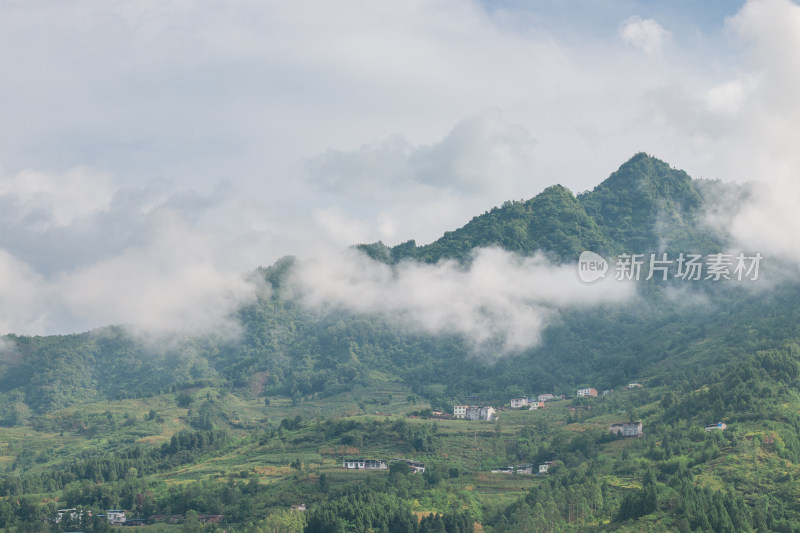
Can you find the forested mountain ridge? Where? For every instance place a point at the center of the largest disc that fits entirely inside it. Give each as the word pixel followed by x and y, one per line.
pixel 645 206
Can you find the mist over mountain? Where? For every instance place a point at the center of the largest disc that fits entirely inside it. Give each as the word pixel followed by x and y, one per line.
pixel 495 305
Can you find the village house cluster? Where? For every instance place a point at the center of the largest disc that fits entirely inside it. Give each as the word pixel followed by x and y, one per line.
pixel 527 468
pixel 117 517
pixel 474 412
pixel 624 429
pixel 538 402
pixel 380 464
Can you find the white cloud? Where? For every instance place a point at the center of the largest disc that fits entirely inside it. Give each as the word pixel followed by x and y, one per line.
pixel 172 284
pixel 143 259
pixel 646 34
pixel 24 298
pixel 48 200
pixel 729 97
pixel 499 298
pixel 756 140
pixel 481 153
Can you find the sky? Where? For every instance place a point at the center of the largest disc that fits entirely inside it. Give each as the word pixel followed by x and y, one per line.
pixel 153 153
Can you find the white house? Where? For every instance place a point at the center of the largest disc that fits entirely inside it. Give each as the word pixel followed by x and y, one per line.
pixel 115 516
pixel 632 386
pixel 364 464
pixel 72 513
pixel 544 466
pixel 627 429
pixel 460 411
pixel 591 391
pixel 720 426
pixel 545 397
pixel 526 468
pixel 518 403
pixel 481 413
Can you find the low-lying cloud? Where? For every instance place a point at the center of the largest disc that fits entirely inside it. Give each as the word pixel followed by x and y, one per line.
pixel 79 253
pixel 755 137
pixel 499 300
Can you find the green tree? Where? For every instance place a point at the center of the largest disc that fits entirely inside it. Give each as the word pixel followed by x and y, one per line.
pixel 184 400
pixel 283 522
pixel 191 522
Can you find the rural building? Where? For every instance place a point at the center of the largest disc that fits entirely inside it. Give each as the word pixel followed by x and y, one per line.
pixel 72 514
pixel 115 516
pixel 627 429
pixel 364 464
pixel 544 466
pixel 719 425
pixel 587 392
pixel 460 411
pixel 527 468
pixel 632 386
pixel 488 413
pixel 481 413
pixel 300 507
pixel 545 397
pixel 518 403
pixel 535 405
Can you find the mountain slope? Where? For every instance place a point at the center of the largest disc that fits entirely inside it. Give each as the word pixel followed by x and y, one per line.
pixel 646 206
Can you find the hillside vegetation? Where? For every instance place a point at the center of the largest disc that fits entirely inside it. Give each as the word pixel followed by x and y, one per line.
pixel 246 428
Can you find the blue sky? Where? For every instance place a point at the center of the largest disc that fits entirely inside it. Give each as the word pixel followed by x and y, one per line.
pixel 151 152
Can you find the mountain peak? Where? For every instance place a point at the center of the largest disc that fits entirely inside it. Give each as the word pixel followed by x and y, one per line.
pixel 641 192
pixel 642 207
pixel 649 175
